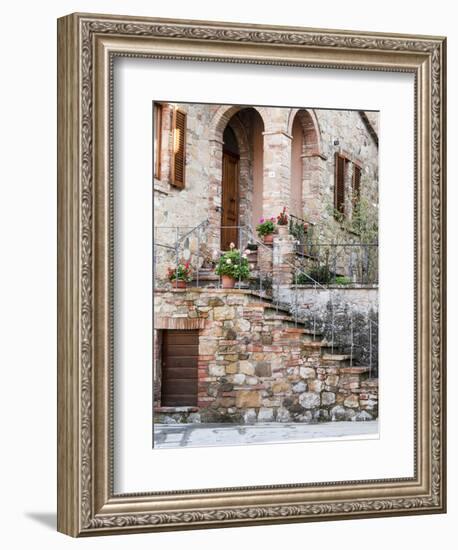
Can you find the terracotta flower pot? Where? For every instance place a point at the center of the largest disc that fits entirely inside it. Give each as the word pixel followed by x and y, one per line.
pixel 269 239
pixel 179 284
pixel 227 282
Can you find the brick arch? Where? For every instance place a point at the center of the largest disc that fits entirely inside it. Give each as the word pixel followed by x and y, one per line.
pixel 306 180
pixel 245 162
pixel 223 117
pixel 310 127
pixel 224 114
pixel 241 137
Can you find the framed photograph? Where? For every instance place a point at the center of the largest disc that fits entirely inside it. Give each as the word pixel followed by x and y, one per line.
pixel 251 274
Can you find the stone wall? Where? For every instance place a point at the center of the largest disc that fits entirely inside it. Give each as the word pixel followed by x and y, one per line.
pixel 341 132
pixel 341 314
pixel 256 365
pixel 325 133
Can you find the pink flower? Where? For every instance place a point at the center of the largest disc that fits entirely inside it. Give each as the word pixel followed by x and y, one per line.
pixel 261 220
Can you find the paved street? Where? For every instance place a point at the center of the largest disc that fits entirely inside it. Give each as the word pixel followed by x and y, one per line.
pixel 169 436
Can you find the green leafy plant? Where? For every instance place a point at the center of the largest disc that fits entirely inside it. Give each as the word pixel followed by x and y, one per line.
pixel 342 280
pixel 233 264
pixel 320 274
pixel 302 279
pixel 266 227
pixel 361 229
pixel 299 229
pixel 363 221
pixel 182 272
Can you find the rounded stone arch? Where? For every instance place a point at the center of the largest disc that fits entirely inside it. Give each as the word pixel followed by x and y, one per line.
pixel 245 162
pixel 310 127
pixel 248 160
pixel 241 137
pixel 223 115
pixel 306 164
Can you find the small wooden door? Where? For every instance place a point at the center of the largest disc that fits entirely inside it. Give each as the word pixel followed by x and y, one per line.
pixel 230 200
pixel 180 351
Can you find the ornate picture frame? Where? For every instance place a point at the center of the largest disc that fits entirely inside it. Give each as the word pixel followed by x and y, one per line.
pixel 87 46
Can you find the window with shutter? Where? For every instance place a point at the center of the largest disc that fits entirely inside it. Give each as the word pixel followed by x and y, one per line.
pixel 356 184
pixel 157 121
pixel 179 148
pixel 339 184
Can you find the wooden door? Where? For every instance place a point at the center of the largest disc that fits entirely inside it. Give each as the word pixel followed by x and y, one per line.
pixel 230 200
pixel 180 350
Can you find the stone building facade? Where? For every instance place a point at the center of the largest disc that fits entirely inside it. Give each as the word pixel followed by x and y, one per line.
pixel 257 358
pixel 255 364
pixel 285 156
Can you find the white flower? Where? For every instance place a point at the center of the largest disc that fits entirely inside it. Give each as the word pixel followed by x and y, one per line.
pixel 228 261
pixel 243 255
pixel 231 246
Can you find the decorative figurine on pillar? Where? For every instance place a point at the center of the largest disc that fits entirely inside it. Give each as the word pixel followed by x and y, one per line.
pixel 282 223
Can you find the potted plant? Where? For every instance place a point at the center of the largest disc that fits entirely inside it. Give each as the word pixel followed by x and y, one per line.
pixel 266 229
pixel 232 266
pixel 181 274
pixel 282 222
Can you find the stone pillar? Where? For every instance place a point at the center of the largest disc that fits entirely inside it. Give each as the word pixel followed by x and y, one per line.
pixel 283 260
pixel 166 143
pixel 265 260
pixel 313 175
pixel 277 172
pixel 213 233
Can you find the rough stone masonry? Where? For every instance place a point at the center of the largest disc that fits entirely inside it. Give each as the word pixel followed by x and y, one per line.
pixel 255 365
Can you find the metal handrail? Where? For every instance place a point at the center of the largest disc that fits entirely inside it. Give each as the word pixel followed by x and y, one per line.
pixel 294 309
pixel 301 219
pixel 293 267
pixel 361 245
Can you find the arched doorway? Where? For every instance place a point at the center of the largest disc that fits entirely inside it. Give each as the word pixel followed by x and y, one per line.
pixel 297 146
pixel 241 176
pixel 305 167
pixel 230 190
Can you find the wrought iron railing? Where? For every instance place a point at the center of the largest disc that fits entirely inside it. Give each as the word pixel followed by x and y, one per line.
pixel 173 244
pixel 339 263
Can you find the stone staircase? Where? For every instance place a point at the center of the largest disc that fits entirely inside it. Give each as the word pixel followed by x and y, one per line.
pixel 257 363
pixel 331 372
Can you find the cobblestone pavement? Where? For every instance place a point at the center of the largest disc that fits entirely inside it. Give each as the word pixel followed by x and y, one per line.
pixel 169 436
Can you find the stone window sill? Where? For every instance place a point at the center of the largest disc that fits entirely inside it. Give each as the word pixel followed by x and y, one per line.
pixel 170 410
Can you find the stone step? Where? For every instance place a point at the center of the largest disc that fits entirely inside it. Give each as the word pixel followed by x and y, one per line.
pixel 329 349
pixel 299 330
pixel 211 280
pixel 308 336
pixel 338 357
pixel 206 274
pixel 370 383
pixel 314 342
pixel 354 369
pixel 284 318
pixel 268 303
